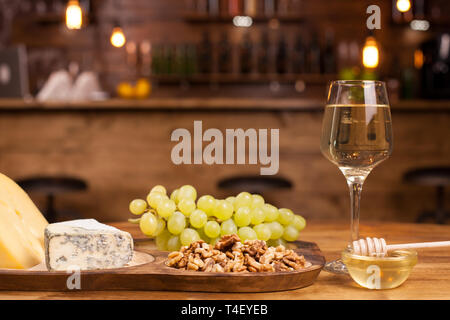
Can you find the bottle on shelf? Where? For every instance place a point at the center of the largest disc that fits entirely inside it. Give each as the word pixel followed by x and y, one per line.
pixel 314 55
pixel 170 65
pixel 281 56
pixel 263 53
pixel 205 54
pixel 250 7
pixel 235 7
pixel 224 54
pixel 246 49
pixel 156 59
pixel 201 7
pixel 269 8
pixel 213 8
pixel 191 59
pixel 283 7
pixel 329 56
pixel 179 60
pixel 299 56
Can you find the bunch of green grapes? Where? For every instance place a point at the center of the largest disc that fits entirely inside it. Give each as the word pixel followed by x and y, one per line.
pixel 180 219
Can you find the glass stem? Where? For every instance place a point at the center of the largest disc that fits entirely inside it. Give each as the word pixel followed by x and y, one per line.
pixel 355 199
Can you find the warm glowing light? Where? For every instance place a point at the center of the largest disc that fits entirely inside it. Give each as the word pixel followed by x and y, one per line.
pixel 117 37
pixel 418 59
pixel 403 5
pixel 370 53
pixel 74 15
pixel 242 21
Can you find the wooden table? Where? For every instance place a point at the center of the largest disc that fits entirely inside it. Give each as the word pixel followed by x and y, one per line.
pixel 430 278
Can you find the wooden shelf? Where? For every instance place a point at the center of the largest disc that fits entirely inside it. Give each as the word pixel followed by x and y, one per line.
pixel 221 78
pixel 206 18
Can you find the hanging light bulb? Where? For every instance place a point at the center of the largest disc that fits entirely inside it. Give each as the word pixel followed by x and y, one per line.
pixel 117 37
pixel 403 5
pixel 370 53
pixel 74 15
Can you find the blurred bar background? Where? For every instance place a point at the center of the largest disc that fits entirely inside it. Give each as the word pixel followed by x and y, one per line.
pixel 140 69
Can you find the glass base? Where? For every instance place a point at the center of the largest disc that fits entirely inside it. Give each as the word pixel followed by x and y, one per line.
pixel 336 267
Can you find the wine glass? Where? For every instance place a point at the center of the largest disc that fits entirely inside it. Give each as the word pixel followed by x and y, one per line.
pixel 356 136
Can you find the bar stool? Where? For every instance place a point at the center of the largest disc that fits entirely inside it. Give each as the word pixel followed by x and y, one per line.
pixel 254 184
pixel 50 187
pixel 438 177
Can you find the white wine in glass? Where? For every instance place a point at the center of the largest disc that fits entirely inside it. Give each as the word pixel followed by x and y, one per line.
pixel 356 136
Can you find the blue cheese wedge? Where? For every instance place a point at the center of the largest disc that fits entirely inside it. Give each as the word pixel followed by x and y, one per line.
pixel 86 244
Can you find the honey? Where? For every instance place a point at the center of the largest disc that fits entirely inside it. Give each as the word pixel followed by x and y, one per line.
pixel 380 272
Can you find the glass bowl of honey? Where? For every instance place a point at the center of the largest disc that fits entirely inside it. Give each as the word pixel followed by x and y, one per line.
pixel 380 272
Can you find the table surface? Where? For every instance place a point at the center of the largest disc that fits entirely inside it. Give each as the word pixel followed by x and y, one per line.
pixel 430 278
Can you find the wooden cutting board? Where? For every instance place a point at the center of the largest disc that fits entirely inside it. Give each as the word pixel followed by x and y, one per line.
pixel 148 271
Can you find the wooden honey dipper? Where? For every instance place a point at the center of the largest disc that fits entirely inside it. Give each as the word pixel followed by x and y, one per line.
pixel 378 247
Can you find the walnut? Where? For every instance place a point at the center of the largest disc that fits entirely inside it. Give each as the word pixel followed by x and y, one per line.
pixel 174 258
pixel 217 268
pixel 227 242
pixel 208 265
pixel 192 266
pixel 231 255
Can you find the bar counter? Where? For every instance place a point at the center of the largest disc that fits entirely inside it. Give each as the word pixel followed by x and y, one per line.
pixel 210 104
pixel 428 280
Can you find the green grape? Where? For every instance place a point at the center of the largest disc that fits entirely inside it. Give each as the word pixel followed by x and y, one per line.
pixel 243 199
pixel 173 244
pixel 212 229
pixel 159 188
pixel 161 240
pixel 187 192
pixel 285 216
pixel 262 231
pixel 155 198
pixel 174 195
pixel 213 241
pixel 138 206
pixel 198 218
pixel 188 236
pixel 276 230
pixel 242 217
pixel 228 227
pixel 223 210
pixel 276 242
pixel 206 203
pixel 290 233
pixel 247 233
pixel 257 201
pixel 298 222
pixel 161 224
pixel 202 234
pixel 148 224
pixel 258 216
pixel 231 199
pixel 271 212
pixel 176 223
pixel 166 208
pixel 186 206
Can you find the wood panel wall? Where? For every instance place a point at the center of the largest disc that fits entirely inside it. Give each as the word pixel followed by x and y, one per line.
pixel 123 154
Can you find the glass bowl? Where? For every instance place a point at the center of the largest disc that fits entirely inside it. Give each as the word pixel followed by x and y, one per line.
pixel 380 272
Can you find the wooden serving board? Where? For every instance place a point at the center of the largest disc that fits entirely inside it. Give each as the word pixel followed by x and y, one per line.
pixel 148 272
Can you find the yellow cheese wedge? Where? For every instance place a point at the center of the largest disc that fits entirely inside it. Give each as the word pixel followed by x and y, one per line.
pixel 21 228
